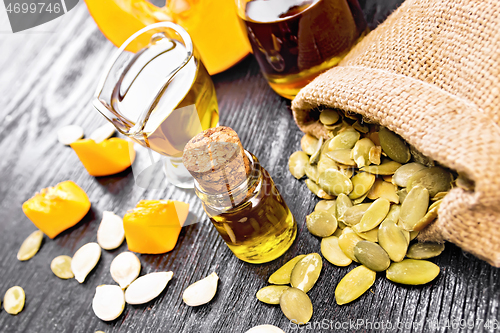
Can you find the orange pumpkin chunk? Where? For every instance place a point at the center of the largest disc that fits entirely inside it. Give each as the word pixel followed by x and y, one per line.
pixel 153 226
pixel 55 209
pixel 106 158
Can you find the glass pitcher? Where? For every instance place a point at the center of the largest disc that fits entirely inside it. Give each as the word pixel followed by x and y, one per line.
pixel 160 96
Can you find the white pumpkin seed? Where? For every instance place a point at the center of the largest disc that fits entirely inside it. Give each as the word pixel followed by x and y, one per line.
pixel 13 300
pixel 84 260
pixel 61 267
pixel 202 291
pixel 102 133
pixel 110 234
pixel 265 329
pixel 108 302
pixel 69 134
pixel 125 268
pixel 147 287
pixel 30 246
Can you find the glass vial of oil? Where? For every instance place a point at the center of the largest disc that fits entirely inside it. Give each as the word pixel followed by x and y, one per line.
pixel 239 196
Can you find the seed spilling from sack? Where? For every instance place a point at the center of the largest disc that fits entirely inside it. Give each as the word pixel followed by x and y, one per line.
pixel 30 246
pixel 202 291
pixel 379 189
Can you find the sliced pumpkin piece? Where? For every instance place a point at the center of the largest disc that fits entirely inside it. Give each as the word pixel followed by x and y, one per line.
pixel 213 26
pixel 55 209
pixel 105 158
pixel 153 226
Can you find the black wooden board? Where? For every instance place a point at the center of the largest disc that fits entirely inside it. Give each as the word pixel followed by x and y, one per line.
pixel 48 80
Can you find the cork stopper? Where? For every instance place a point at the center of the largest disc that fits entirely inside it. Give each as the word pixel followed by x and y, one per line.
pixel 217 160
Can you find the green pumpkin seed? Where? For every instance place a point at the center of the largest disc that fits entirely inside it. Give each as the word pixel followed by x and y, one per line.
pixel 394 146
pixel 312 172
pixel 360 128
pixel 375 154
pixel 413 234
pixel 361 152
pixel 338 232
pixel 297 164
pixel 296 306
pixel 362 183
pixel 271 294
pixel 308 143
pixel 360 199
pixel 420 158
pixel 331 251
pixel 306 272
pixel 402 195
pixel 326 163
pixel 371 235
pixel 387 167
pixel 393 214
pixel 347 242
pixel 346 170
pixel 343 203
pixel 435 204
pixel 13 301
pixel 334 182
pixel 434 179
pixel 314 188
pixel 430 216
pixel 439 196
pixel 414 207
pixel 425 250
pixel 372 256
pixel 412 272
pixel 30 246
pixel 61 267
pixel 317 152
pixel 342 156
pixel 344 140
pixel 354 284
pixel 404 173
pixel 373 216
pixel 383 189
pixel 392 239
pixel 354 214
pixel 327 205
pixel 282 275
pixel 329 117
pixel 465 183
pixel 321 223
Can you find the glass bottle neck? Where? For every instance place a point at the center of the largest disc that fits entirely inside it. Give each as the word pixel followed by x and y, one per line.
pixel 227 200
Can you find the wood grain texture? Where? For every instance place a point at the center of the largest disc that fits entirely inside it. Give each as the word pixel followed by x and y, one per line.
pixel 47 82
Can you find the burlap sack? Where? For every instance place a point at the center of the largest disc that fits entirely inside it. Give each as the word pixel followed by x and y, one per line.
pixel 431 73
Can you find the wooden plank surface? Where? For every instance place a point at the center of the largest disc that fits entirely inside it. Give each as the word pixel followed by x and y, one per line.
pixel 48 80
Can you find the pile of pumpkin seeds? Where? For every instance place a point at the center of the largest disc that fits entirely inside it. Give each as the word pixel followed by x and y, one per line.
pixel 378 192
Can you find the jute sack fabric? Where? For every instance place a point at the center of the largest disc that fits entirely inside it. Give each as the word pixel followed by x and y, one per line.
pixel 431 73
